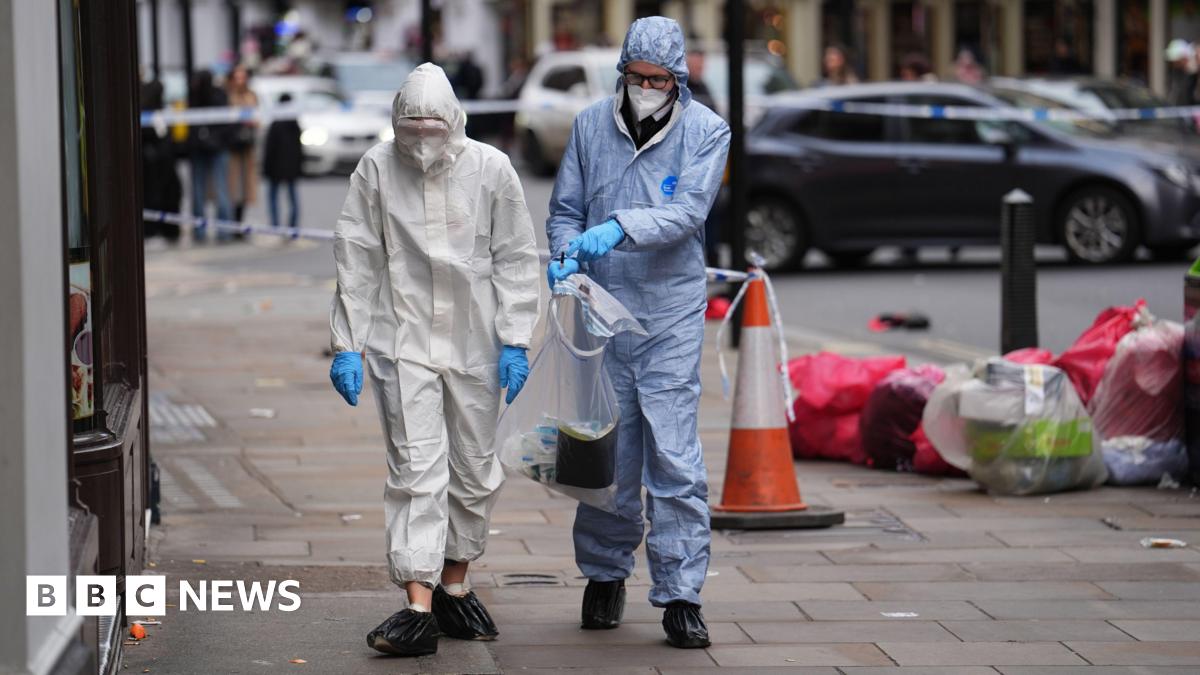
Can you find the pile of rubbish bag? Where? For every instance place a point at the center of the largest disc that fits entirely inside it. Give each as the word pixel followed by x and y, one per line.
pixel 1109 408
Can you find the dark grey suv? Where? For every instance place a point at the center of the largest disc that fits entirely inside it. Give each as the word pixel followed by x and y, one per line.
pixel 847 183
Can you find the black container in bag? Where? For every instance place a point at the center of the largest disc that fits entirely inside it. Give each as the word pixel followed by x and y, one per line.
pixel 561 431
pixel 587 457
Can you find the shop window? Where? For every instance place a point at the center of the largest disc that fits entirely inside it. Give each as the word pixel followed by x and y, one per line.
pixel 1058 36
pixel 1133 40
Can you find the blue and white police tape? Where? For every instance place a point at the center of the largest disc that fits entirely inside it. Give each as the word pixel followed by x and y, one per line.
pixel 167 117
pixel 756 272
pixel 267 114
pixel 234 227
pixel 1000 113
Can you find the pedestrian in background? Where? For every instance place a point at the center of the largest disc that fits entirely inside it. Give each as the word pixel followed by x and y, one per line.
pixel 836 67
pixel 967 68
pixel 243 176
pixel 208 150
pixel 695 64
pixel 915 68
pixel 283 156
pixel 1181 73
pixel 161 188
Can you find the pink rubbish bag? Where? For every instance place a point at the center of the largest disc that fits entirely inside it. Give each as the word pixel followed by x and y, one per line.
pixel 833 390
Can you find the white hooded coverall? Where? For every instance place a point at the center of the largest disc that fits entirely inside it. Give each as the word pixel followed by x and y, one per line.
pixel 436 269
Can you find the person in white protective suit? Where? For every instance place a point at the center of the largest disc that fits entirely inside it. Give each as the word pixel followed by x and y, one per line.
pixel 437 275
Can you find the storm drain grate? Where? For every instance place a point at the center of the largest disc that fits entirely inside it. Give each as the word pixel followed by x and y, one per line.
pixel 172 422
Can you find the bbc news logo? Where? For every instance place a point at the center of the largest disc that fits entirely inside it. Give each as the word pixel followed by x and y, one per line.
pixel 48 595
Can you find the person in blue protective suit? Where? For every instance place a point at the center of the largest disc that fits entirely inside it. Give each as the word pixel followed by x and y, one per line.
pixel 637 180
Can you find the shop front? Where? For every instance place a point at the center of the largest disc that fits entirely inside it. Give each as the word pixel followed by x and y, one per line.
pixel 73 491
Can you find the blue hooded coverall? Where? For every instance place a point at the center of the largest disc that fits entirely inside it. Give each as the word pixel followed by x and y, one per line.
pixel 660 195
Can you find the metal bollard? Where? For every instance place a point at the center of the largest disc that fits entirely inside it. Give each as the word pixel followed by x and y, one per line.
pixel 1018 273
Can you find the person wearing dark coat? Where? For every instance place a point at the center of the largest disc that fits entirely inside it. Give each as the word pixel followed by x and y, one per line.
pixel 208 146
pixel 283 156
pixel 161 187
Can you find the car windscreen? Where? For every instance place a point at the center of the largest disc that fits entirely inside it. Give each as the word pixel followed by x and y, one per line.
pixel 1086 127
pixel 371 76
pixel 762 76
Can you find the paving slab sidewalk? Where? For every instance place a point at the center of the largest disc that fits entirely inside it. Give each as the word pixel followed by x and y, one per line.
pixel 927 576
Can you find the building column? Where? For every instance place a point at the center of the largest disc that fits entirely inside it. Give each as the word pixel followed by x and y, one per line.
pixel 1104 38
pixel 618 14
pixel 1158 46
pixel 706 20
pixel 541 25
pixel 879 41
pixel 804 40
pixel 941 57
pixel 33 400
pixel 1012 61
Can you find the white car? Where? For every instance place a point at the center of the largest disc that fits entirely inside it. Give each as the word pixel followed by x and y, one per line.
pixel 335 136
pixel 561 84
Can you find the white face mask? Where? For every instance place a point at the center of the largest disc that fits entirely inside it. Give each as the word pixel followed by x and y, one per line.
pixel 646 102
pixel 421 140
pixel 423 151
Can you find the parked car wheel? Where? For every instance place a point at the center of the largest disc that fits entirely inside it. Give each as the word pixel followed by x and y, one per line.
pixel 776 231
pixel 1098 225
pixel 535 156
pixel 851 257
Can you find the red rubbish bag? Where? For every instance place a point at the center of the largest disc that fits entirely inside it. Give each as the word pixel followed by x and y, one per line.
pixel 926 459
pixel 893 413
pixel 833 390
pixel 1031 356
pixel 1085 360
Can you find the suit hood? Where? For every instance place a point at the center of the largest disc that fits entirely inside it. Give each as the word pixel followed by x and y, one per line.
pixel 426 92
pixel 659 41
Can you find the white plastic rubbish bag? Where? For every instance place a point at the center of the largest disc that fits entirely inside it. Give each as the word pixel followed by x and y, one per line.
pixel 1016 429
pixel 562 430
pixel 1138 405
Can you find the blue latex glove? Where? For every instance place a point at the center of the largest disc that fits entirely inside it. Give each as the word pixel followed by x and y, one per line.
pixel 347 375
pixel 514 368
pixel 557 271
pixel 596 242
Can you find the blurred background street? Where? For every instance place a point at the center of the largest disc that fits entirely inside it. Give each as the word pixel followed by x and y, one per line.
pixel 959 293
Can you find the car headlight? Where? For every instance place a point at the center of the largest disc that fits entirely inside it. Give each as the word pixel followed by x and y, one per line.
pixel 1177 174
pixel 387 134
pixel 314 136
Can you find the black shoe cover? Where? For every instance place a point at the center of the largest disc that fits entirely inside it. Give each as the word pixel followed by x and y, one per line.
pixel 685 626
pixel 603 604
pixel 406 633
pixel 464 618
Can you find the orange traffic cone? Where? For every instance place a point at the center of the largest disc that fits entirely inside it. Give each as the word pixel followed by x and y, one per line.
pixel 760 484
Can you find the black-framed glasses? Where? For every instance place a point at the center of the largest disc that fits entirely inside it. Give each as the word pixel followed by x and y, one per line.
pixel 656 81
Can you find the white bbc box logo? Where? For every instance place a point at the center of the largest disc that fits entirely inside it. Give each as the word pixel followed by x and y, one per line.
pixel 146 595
pixel 46 595
pixel 95 595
